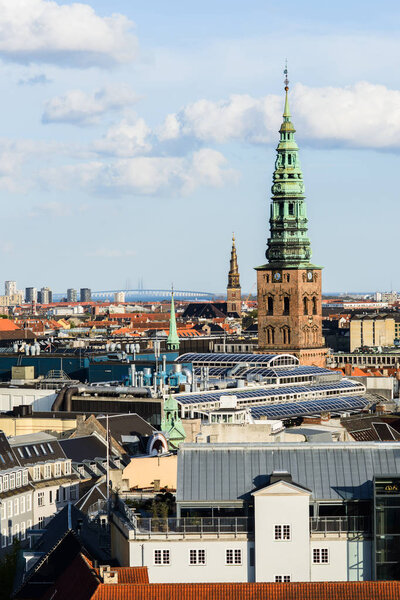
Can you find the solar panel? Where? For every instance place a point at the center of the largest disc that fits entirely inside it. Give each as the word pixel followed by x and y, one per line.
pixel 310 407
pixel 225 358
pixel 263 393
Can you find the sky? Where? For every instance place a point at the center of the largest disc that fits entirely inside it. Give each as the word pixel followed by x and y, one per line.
pixel 135 137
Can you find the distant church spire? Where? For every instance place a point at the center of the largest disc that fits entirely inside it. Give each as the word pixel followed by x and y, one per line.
pixel 234 293
pixel 173 339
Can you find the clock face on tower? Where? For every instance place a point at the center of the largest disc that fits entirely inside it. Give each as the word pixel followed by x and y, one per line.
pixel 277 276
pixel 309 275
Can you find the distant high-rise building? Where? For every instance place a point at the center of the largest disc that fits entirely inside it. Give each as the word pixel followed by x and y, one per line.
pixel 45 296
pixel 72 295
pixel 31 295
pixel 86 295
pixel 234 296
pixel 10 288
pixel 119 297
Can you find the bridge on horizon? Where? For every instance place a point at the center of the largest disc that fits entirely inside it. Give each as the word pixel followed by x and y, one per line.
pixel 141 295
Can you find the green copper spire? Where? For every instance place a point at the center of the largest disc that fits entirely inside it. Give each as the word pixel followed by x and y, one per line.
pixel 289 245
pixel 173 339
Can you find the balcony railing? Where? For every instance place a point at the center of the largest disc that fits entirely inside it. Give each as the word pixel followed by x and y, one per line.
pixel 340 525
pixel 192 526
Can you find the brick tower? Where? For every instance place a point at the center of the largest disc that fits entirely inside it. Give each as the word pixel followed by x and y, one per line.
pixel 233 290
pixel 289 286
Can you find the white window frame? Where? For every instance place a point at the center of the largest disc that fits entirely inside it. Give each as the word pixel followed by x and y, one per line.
pixel 320 556
pixel 67 468
pixel 16 531
pixel 19 479
pixel 22 505
pixel 4 537
pixel 36 473
pixel 283 578
pixel 40 499
pixel 282 532
pixel 23 531
pixel 28 524
pixel 47 471
pixel 197 557
pixel 3 510
pixel 9 509
pixel 41 523
pixel 161 557
pixel 28 503
pixel 12 481
pixel 25 477
pixel 233 557
pixel 5 483
pixel 16 506
pixel 57 469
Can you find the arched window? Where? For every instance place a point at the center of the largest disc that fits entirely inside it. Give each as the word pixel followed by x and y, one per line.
pixel 270 335
pixel 314 305
pixel 270 305
pixel 286 335
pixel 305 305
pixel 286 305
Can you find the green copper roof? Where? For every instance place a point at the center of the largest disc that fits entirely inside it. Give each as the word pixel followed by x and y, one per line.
pixel 173 339
pixel 288 245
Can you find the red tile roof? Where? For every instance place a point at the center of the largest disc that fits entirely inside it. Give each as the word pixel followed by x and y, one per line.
pixel 7 325
pixel 357 590
pixel 132 574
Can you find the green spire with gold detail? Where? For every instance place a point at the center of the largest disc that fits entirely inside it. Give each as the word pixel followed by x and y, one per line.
pixel 288 245
pixel 233 275
pixel 173 339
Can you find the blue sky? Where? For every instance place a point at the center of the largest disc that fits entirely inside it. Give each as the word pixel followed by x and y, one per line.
pixel 136 136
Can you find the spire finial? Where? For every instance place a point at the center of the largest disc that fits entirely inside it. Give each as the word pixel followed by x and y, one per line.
pixel 286 112
pixel 233 236
pixel 286 81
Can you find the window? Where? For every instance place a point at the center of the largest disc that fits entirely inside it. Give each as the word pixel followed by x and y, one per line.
pixel 72 493
pixel 305 306
pixel 2 459
pixel 291 208
pixel 57 469
pixel 5 483
pixel 29 503
pixel 314 305
pixel 25 477
pixel 19 478
pixel 20 452
pixel 161 557
pixel 58 495
pixel 16 531
pixel 36 473
pixel 28 452
pixel 67 468
pixel 40 499
pixel 1 484
pixel 320 556
pixel 10 508
pixel 51 496
pixel 81 470
pixel 197 557
pixel 286 305
pixel 41 522
pixel 233 556
pixel 22 505
pixel 36 451
pixel 28 524
pixel 270 305
pixel 47 471
pixel 23 530
pixel 282 578
pixel 50 448
pixel 12 481
pixel 4 538
pixel 3 510
pixel 43 449
pixel 16 506
pixel 282 532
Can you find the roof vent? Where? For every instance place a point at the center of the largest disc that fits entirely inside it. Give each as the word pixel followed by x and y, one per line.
pixel 280 476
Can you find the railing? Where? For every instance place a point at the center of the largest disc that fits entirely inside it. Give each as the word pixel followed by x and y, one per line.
pixel 192 525
pixel 346 525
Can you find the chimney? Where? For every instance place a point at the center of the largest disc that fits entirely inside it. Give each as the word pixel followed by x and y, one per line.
pixel 348 368
pixel 107 575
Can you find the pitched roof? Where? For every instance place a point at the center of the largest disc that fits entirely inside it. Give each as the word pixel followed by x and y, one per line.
pixel 357 590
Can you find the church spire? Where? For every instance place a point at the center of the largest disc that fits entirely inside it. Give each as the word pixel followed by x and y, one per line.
pixel 288 245
pixel 233 275
pixel 173 339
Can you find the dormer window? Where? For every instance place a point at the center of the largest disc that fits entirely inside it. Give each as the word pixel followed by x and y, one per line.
pixel 36 450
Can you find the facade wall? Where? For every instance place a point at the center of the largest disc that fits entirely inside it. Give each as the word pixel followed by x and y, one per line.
pixel 286 557
pixel 142 472
pixel 40 400
pixel 180 570
pixel 13 426
pixel 47 501
pixel 16 516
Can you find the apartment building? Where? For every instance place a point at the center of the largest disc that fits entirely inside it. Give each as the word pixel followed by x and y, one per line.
pixel 272 512
pixel 36 481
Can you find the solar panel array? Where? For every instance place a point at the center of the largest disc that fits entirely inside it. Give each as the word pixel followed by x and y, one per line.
pixel 262 393
pixel 224 358
pixel 288 372
pixel 213 371
pixel 309 407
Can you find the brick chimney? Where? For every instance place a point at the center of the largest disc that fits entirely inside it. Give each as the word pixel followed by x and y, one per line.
pixel 348 369
pixel 107 575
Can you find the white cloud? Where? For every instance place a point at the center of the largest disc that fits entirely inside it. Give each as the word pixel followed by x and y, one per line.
pixel 79 108
pixel 127 138
pixel 363 115
pixel 44 31
pixel 51 209
pixel 145 175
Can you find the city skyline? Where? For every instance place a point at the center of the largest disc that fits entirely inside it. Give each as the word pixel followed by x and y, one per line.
pixel 135 151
